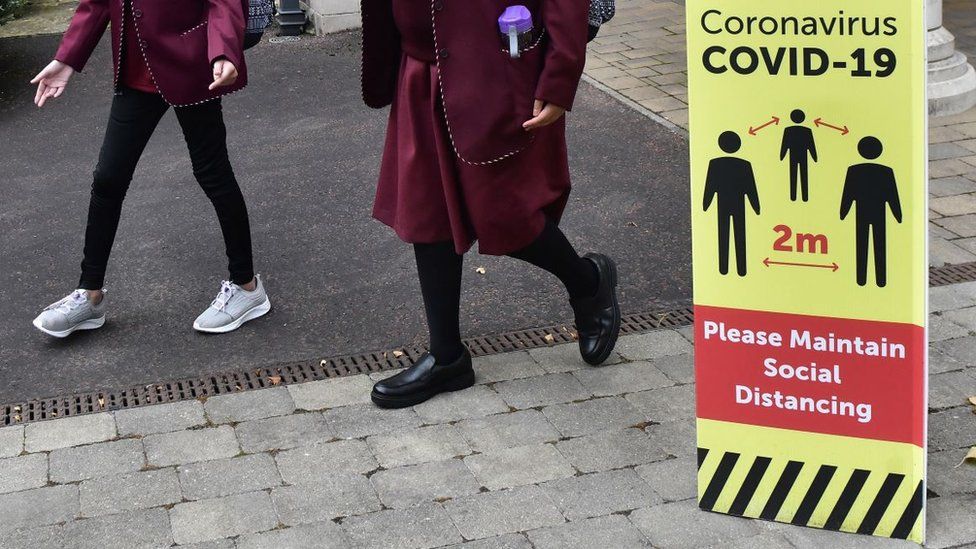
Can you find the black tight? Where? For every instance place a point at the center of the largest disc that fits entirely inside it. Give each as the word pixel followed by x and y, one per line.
pixel 439 269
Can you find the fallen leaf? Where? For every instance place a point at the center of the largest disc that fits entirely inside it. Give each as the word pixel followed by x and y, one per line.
pixel 549 339
pixel 275 380
pixel 631 224
pixel 17 408
pixel 480 270
pixel 972 400
pixel 101 402
pixel 323 363
pixel 17 418
pixel 397 354
pixel 970 457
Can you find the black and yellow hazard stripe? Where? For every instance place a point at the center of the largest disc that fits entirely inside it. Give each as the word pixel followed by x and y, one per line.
pixel 808 479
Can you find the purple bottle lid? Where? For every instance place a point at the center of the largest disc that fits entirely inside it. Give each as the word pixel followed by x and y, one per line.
pixel 515 16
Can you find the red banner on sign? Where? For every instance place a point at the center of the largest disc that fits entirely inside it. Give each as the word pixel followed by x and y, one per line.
pixel 826 375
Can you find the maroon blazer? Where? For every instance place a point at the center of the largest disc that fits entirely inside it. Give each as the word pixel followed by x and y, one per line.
pixel 487 94
pixel 180 40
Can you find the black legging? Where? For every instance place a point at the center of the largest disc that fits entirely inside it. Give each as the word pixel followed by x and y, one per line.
pixel 133 118
pixel 439 269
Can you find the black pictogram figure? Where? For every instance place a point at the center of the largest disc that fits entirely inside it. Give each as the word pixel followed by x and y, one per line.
pixel 798 143
pixel 873 189
pixel 732 180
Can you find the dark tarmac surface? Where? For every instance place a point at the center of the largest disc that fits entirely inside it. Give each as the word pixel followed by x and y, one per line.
pixel 306 152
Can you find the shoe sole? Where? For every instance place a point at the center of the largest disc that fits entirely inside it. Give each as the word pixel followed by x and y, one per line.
pixel 90 324
pixel 386 401
pixel 616 318
pixel 255 312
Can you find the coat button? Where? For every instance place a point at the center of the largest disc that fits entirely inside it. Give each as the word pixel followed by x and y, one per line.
pixel 444 54
pixel 438 5
pixel 137 13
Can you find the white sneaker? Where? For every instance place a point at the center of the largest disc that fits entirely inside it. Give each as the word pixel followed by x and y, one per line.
pixel 74 312
pixel 232 307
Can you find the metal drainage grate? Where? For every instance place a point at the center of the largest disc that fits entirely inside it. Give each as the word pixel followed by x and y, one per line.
pixel 952 274
pixel 299 372
pixel 362 363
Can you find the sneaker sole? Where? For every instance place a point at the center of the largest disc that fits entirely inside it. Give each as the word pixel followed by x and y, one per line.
pixel 255 312
pixel 90 324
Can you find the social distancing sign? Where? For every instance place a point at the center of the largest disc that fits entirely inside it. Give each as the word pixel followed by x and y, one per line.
pixel 809 215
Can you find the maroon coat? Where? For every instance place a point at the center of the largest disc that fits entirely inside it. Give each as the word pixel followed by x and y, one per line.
pixel 487 95
pixel 180 40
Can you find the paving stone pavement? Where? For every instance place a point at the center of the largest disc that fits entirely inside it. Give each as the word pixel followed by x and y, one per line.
pixel 641 56
pixel 543 452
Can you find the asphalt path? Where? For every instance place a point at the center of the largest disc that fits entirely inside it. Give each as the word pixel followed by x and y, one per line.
pixel 306 152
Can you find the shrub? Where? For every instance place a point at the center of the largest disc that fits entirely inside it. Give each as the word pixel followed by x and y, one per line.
pixel 10 9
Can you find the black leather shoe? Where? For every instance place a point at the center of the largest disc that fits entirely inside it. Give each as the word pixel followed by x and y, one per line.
pixel 598 317
pixel 422 381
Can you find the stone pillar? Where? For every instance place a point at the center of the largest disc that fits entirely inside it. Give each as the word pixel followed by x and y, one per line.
pixel 951 79
pixel 333 15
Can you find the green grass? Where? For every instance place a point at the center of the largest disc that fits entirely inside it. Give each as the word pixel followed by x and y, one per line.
pixel 10 9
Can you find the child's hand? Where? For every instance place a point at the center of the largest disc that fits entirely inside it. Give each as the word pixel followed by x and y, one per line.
pixel 224 73
pixel 543 114
pixel 51 81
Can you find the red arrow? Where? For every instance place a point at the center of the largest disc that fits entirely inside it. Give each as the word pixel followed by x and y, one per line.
pixel 843 131
pixel 833 266
pixel 754 131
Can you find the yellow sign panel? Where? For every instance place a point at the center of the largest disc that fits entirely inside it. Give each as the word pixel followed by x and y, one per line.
pixel 809 216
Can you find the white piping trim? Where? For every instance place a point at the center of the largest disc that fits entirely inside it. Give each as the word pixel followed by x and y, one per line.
pixel 447 119
pixel 119 61
pixel 188 31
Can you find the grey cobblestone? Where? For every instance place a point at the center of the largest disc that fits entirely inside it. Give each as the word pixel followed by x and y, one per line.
pixel 672 479
pixel 505 367
pixel 965 318
pixel 951 389
pixel 477 401
pixel 129 492
pixel 45 537
pixel 212 519
pixel 948 475
pixel 653 345
pixel 508 430
pixel 940 362
pixel 610 450
pixel 600 494
pixel 160 418
pixel 518 466
pixel 70 431
pixel 674 438
pixel 282 433
pixel 507 511
pixel 366 419
pixel 137 530
pixel 774 540
pixel 622 379
pixel 23 473
pixel 331 393
pixel 249 405
pixel 225 543
pixel 591 416
pixel 189 446
pixel 415 484
pixel 434 443
pixel 96 460
pixel 507 541
pixel 420 527
pixel 345 456
pixel 321 535
pixel 669 525
pixel 223 477
pixel 678 368
pixel 564 358
pixel 11 441
pixel 666 404
pixel 610 531
pixel 950 521
pixel 954 428
pixel 542 390
pixel 941 329
pixel 38 507
pixel 331 496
